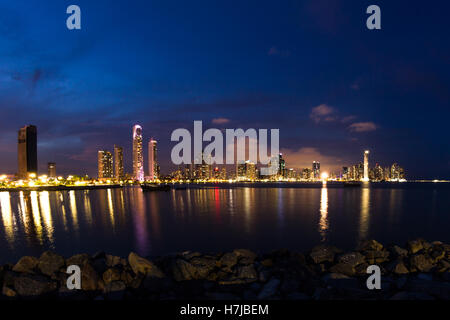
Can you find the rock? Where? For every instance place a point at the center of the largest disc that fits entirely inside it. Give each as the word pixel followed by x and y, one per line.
pixel 437 253
pixel 343 268
pixel 370 245
pixel 421 262
pixel 188 255
pixel 89 277
pixel 7 291
pixel 323 253
pixel 396 251
pixel 267 263
pixel 203 266
pixel 183 270
pixel 415 246
pixel 142 265
pixel 247 272
pixel 376 256
pixel 33 285
pixel 112 261
pixel 111 275
pixel 245 256
pixel 228 260
pixel 26 265
pixel 50 262
pixel 353 259
pixel 269 289
pixel 78 259
pixel 397 267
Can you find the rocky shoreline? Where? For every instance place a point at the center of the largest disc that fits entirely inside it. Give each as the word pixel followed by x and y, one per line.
pixel 418 270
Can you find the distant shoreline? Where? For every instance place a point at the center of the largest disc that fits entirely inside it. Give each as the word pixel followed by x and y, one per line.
pixel 259 184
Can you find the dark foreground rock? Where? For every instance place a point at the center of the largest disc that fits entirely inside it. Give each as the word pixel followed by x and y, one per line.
pixel 418 270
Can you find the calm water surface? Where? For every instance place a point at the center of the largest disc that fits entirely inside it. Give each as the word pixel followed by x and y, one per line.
pixel 219 218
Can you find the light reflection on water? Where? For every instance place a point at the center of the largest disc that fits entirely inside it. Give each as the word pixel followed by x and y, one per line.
pixel 215 219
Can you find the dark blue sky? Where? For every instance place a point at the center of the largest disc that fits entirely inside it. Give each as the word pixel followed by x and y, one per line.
pixel 310 68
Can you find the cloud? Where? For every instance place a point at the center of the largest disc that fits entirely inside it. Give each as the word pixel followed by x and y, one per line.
pixel 323 113
pixel 362 127
pixel 304 157
pixel 220 120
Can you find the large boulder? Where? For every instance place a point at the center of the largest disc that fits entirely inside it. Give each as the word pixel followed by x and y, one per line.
pixel 370 245
pixel 421 262
pixel 26 265
pixel 323 253
pixel 33 285
pixel 398 267
pixel 142 265
pixel 228 260
pixel 89 277
pixel 353 259
pixel 415 246
pixel 111 275
pixel 245 256
pixel 50 263
pixel 78 259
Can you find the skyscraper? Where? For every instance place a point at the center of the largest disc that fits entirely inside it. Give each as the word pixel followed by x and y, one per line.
pixel 366 165
pixel 152 161
pixel 52 170
pixel 118 162
pixel 105 165
pixel 27 151
pixel 138 155
pixel 282 165
pixel 316 170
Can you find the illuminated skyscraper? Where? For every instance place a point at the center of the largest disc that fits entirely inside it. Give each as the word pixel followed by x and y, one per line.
pixel 138 155
pixel 316 170
pixel 152 161
pixel 250 170
pixel 27 151
pixel 282 165
pixel 366 165
pixel 52 170
pixel 118 162
pixel 105 165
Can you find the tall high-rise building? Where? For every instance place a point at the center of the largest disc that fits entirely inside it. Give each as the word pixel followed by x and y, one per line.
pixel 240 170
pixel 366 165
pixel 152 160
pixel 282 165
pixel 118 162
pixel 27 151
pixel 316 170
pixel 250 170
pixel 105 165
pixel 51 169
pixel 138 155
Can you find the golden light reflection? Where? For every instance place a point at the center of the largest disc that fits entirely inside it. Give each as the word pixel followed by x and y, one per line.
pixel 365 213
pixel 44 201
pixel 8 224
pixel 324 224
pixel 36 215
pixel 73 209
pixel 111 208
pixel 87 207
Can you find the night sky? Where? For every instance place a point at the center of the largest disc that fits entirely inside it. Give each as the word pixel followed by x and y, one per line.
pixel 310 68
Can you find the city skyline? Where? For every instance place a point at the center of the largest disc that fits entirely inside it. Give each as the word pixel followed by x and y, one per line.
pixel 111 165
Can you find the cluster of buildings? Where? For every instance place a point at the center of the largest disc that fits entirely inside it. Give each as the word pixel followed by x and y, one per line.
pixel 112 167
pixel 248 171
